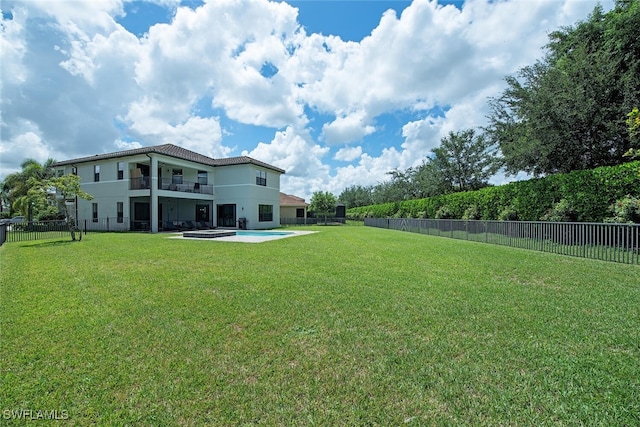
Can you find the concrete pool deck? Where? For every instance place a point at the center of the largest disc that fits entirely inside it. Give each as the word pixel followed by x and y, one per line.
pixel 230 235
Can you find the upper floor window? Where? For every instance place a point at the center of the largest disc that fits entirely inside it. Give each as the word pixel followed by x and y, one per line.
pixel 202 177
pixel 120 170
pixel 261 177
pixel 60 172
pixel 96 173
pixel 74 170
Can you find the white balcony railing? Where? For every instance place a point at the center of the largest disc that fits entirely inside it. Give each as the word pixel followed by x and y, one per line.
pixel 142 183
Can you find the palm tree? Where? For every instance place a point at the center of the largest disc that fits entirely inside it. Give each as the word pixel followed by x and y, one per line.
pixel 15 186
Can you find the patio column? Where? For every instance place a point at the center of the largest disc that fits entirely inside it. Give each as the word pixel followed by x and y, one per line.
pixel 153 194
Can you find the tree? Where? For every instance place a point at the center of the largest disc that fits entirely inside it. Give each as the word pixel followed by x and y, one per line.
pixel 430 180
pixel 401 186
pixel 633 125
pixel 323 203
pixel 15 186
pixel 356 196
pixel 58 191
pixel 465 161
pixel 564 112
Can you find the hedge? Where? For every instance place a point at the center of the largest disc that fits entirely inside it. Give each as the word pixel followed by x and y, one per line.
pixel 589 193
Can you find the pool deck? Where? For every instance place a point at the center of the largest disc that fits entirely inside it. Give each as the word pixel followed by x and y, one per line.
pixel 231 236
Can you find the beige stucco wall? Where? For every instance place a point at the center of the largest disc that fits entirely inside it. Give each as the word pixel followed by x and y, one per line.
pixel 289 211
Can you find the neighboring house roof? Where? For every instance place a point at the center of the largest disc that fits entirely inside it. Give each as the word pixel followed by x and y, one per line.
pixel 172 151
pixel 289 200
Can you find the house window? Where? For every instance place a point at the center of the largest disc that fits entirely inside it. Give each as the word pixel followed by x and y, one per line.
pixel 120 170
pixel 261 178
pixel 60 173
pixel 300 213
pixel 265 213
pixel 96 173
pixel 176 177
pixel 74 170
pixel 202 177
pixel 120 211
pixel 94 209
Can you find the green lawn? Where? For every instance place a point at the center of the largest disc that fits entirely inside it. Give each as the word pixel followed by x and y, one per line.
pixel 348 326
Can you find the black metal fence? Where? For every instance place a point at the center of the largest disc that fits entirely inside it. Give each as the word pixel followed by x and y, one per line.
pixel 40 230
pixel 107 224
pixel 35 230
pixel 602 241
pixel 311 221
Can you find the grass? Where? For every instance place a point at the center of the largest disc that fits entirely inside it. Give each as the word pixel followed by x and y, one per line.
pixel 348 326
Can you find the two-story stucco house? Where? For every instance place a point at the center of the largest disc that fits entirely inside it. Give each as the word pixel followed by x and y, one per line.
pixel 155 188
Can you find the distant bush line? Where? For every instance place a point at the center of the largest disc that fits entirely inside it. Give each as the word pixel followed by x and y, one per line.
pixel 583 196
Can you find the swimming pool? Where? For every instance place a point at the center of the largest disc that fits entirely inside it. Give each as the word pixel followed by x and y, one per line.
pixel 245 236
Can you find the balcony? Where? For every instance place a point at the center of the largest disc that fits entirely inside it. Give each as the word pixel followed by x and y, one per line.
pixel 139 183
pixel 185 186
pixel 142 183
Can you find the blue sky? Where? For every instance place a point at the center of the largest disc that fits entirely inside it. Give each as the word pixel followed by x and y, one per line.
pixel 337 93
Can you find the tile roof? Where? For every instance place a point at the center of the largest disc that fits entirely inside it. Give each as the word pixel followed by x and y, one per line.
pixel 289 200
pixel 172 151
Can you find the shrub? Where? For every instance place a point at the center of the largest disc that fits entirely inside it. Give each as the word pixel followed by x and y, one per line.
pixel 444 213
pixel 472 212
pixel 562 211
pixel 625 210
pixel 508 214
pixel 589 194
pixel 51 215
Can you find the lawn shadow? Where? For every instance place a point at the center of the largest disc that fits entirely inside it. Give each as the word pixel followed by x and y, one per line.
pixel 47 243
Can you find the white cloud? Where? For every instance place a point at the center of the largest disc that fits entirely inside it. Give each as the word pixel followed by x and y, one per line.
pixel 347 128
pixel 422 136
pixel 368 171
pixel 202 135
pixel 293 151
pixel 212 50
pixel 127 145
pixel 85 85
pixel 348 154
pixel 13 47
pixel 27 145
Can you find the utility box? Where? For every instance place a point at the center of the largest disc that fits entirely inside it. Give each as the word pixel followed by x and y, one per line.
pixel 242 223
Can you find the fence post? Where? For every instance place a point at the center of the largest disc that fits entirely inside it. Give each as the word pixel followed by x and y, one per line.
pixel 486 231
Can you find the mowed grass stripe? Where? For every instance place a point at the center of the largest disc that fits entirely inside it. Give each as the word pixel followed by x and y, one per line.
pixel 347 326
